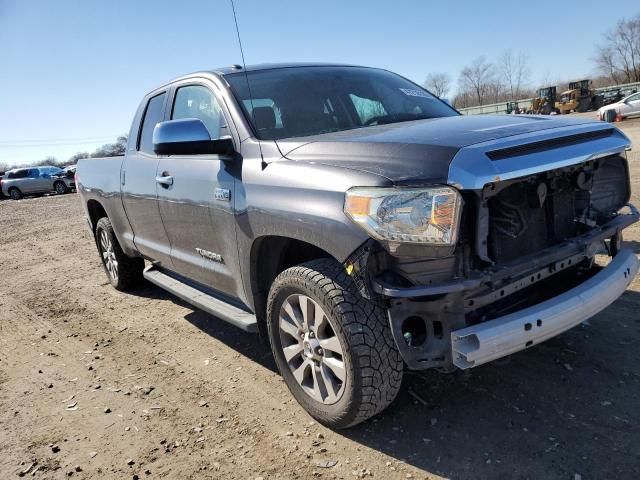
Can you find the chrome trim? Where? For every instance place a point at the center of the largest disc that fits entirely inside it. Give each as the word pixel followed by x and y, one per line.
pixel 472 169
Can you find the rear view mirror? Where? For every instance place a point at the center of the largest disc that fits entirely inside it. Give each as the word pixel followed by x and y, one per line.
pixel 188 136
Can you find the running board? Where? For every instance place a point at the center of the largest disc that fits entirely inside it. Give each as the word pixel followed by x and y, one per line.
pixel 216 307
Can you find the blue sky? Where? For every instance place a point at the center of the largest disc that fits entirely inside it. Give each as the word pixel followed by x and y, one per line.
pixel 72 72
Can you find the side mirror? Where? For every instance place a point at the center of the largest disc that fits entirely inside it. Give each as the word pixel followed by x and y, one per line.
pixel 188 136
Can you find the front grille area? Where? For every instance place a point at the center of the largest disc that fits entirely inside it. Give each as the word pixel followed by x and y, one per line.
pixel 547 209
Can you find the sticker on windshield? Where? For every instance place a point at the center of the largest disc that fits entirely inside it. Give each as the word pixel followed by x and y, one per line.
pixel 414 93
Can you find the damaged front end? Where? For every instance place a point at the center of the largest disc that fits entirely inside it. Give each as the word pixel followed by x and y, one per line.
pixel 523 270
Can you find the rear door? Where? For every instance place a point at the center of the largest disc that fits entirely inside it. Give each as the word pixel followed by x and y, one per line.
pixel 197 208
pixel 138 182
pixel 19 179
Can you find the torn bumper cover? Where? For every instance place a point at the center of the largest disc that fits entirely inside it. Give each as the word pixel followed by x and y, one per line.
pixel 482 343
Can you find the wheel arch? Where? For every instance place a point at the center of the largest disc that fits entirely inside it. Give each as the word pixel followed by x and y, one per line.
pixel 15 188
pixel 95 211
pixel 270 255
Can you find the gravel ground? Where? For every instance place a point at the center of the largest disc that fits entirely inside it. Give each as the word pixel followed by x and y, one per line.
pixel 99 384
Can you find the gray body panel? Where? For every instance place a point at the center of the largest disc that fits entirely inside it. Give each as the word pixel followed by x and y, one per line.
pixel 292 188
pixel 194 219
pixel 98 180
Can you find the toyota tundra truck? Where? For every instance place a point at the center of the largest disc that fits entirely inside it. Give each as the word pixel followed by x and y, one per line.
pixel 362 225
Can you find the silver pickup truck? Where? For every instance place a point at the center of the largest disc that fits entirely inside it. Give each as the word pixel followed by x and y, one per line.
pixel 362 225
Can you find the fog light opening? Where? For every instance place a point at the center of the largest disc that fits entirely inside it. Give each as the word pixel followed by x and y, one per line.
pixel 414 331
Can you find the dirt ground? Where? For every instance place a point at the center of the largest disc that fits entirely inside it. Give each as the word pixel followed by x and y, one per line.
pixel 95 383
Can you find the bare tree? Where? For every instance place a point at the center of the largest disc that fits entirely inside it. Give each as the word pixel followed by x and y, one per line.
pixel 112 149
pixel 438 83
pixel 496 91
pixel 605 60
pixel 77 156
pixel 477 77
pixel 514 71
pixel 619 55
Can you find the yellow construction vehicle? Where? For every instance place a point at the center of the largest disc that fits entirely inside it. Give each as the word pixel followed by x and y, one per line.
pixel 579 98
pixel 545 102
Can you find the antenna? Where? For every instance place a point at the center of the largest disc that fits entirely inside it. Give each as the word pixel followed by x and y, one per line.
pixel 246 75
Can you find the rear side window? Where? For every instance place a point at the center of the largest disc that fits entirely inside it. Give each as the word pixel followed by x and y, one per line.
pixel 152 116
pixel 18 174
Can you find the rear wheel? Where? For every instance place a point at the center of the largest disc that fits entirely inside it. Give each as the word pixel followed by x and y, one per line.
pixel 333 348
pixel 15 193
pixel 124 272
pixel 61 187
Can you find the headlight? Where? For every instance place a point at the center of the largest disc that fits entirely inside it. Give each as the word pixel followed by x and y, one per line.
pixel 407 215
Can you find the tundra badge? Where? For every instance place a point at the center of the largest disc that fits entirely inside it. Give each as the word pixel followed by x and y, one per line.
pixel 216 257
pixel 223 194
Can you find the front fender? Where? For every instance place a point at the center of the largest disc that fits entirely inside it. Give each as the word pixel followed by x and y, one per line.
pixel 298 201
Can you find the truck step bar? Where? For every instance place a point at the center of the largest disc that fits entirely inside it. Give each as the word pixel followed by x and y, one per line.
pixel 218 308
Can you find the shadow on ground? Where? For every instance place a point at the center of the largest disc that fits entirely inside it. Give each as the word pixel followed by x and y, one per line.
pixel 568 406
pixel 249 345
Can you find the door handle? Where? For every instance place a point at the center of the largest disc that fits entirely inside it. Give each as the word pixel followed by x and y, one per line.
pixel 165 180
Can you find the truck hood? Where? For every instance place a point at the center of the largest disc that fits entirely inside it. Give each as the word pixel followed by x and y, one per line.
pixel 416 150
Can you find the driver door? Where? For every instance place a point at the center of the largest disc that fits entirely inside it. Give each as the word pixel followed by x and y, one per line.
pixel 197 206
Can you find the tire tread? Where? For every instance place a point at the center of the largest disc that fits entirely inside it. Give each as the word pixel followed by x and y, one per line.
pixel 129 269
pixel 365 325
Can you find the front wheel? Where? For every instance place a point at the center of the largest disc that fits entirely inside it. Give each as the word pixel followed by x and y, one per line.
pixel 333 348
pixel 124 272
pixel 61 188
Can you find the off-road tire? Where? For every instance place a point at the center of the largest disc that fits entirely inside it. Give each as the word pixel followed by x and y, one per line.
pixel 60 187
pixel 129 270
pixel 15 193
pixel 372 361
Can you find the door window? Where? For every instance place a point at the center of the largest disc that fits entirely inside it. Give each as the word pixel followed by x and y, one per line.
pixel 18 174
pixel 634 98
pixel 152 116
pixel 197 101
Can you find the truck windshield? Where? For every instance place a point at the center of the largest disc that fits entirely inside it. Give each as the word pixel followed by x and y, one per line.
pixel 302 101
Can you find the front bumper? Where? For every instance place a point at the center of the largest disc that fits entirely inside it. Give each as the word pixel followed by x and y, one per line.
pixel 444 307
pixel 478 344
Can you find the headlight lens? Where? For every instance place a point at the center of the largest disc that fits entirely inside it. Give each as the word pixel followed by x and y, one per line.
pixel 407 215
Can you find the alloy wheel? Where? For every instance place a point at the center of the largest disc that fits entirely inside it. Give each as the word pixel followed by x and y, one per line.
pixel 312 349
pixel 108 255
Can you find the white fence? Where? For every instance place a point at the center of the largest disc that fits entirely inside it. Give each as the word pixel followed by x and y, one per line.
pixel 526 102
